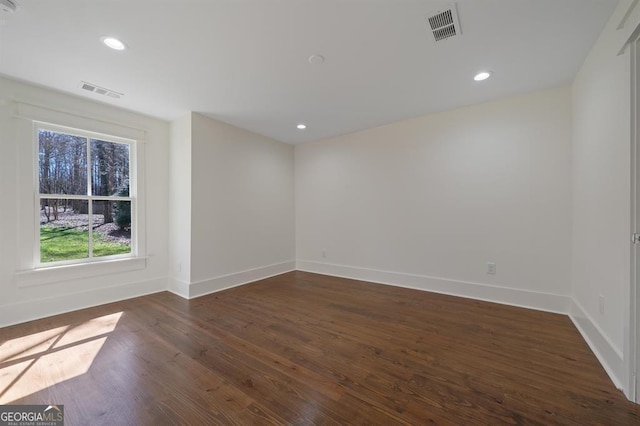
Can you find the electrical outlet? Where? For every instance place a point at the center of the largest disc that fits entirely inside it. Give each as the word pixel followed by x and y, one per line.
pixel 179 267
pixel 601 304
pixel 491 268
pixel 324 253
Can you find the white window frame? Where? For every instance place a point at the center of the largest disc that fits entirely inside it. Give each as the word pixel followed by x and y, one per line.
pixel 28 272
pixel 37 127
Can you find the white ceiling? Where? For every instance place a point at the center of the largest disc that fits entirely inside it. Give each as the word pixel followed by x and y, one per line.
pixel 245 61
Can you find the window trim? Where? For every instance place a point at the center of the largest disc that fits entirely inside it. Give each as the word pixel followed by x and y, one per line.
pixel 88 135
pixel 25 113
pixel 57 273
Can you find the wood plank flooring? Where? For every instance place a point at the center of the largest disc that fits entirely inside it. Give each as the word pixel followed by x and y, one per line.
pixel 303 348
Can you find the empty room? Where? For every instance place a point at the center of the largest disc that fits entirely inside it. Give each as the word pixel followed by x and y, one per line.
pixel 319 212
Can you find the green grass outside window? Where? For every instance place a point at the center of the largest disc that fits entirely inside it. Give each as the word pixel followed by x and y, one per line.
pixel 60 243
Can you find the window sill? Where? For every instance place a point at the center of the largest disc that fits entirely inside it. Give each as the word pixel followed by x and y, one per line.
pixel 55 274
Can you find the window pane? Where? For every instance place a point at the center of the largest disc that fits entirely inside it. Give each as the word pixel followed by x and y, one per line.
pixel 64 230
pixel 109 168
pixel 111 228
pixel 62 163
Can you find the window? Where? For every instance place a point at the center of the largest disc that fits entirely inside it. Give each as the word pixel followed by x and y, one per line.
pixel 85 197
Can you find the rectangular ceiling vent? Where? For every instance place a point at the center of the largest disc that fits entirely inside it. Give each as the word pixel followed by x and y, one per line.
pixel 100 90
pixel 444 24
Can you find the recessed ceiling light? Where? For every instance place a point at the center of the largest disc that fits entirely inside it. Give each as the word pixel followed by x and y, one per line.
pixel 316 59
pixel 113 43
pixel 482 76
pixel 301 126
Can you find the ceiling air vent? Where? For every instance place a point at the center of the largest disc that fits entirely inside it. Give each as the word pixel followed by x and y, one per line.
pixel 444 23
pixel 100 90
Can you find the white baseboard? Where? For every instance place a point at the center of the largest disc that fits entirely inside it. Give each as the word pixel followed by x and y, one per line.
pixel 608 354
pixel 509 296
pixel 36 309
pixel 179 288
pixel 212 285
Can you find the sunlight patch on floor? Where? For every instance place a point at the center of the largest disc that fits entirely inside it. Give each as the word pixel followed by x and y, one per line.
pixel 29 345
pixel 32 363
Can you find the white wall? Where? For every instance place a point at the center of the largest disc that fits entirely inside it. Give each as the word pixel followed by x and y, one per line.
pixel 601 198
pixel 180 205
pixel 428 202
pixel 242 207
pixel 22 300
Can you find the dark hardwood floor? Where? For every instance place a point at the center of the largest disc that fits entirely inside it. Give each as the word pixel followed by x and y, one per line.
pixel 303 348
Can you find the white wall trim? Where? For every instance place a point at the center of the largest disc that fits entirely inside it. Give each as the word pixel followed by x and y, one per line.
pixel 630 311
pixel 223 282
pixel 36 309
pixel 509 296
pixel 41 113
pixel 607 353
pixel 40 276
pixel 627 15
pixel 179 287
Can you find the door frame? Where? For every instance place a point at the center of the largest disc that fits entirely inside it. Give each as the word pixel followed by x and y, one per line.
pixel 632 333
